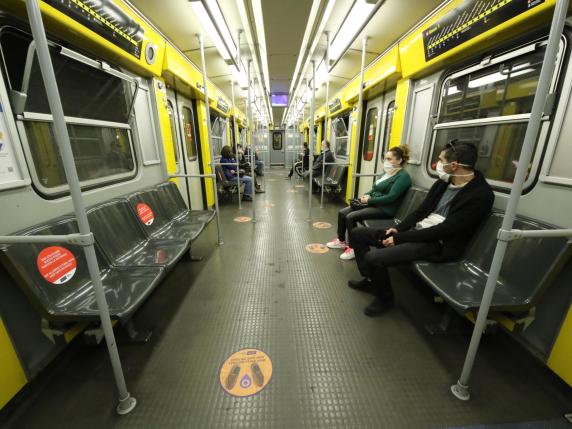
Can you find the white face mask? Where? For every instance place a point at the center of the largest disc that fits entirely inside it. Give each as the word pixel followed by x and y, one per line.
pixel 444 176
pixel 388 167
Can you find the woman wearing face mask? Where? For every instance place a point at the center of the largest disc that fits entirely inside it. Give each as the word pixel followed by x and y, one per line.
pixel 381 202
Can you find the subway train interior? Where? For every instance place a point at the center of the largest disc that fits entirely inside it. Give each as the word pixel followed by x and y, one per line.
pixel 286 214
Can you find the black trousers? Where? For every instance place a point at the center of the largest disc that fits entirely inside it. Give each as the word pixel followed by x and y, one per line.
pixel 348 219
pixel 373 263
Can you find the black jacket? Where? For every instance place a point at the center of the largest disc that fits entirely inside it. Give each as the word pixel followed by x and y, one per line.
pixel 317 165
pixel 469 208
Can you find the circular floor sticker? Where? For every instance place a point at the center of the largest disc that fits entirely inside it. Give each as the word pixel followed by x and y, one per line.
pixel 246 372
pixel 317 248
pixel 242 219
pixel 292 191
pixel 145 214
pixel 56 264
pixel 300 186
pixel 268 205
pixel 322 225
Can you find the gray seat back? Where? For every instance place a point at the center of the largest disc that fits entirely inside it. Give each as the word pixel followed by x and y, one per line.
pixel 54 276
pixel 541 256
pixel 171 199
pixel 116 229
pixel 412 199
pixel 149 211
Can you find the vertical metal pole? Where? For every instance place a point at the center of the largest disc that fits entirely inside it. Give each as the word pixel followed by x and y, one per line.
pixel 326 111
pixel 208 114
pixel 359 115
pixel 311 139
pixel 235 141
pixel 461 389
pixel 251 126
pixel 126 402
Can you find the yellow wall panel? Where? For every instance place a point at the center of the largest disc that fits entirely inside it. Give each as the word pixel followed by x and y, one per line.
pixel 205 150
pixel 398 123
pixel 12 377
pixel 560 360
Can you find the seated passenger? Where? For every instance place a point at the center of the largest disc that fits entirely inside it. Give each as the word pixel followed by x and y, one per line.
pixel 326 155
pixel 259 164
pixel 230 172
pixel 438 230
pixel 245 165
pixel 381 202
pixel 301 165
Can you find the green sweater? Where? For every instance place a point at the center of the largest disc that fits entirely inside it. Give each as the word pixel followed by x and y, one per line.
pixel 388 194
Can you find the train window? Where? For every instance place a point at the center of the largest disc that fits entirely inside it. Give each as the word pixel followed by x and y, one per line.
pixel 341 137
pixel 190 142
pixel 276 140
pixel 99 152
pixel 218 129
pixel 97 102
pixel 489 106
pixel 173 125
pixel 388 127
pixel 369 137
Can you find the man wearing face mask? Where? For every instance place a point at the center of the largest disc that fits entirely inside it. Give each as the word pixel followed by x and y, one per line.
pixel 438 230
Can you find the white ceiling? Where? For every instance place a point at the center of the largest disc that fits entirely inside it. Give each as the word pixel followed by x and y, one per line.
pixel 284 26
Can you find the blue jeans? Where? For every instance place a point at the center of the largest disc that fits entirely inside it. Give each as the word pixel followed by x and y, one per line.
pixel 247 180
pixel 259 167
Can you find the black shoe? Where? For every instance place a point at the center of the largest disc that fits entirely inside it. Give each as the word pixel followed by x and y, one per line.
pixel 246 198
pixel 363 284
pixel 378 307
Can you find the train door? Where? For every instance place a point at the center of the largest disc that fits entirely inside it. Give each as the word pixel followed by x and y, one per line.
pixel 176 142
pixel 370 136
pixel 189 152
pixel 277 156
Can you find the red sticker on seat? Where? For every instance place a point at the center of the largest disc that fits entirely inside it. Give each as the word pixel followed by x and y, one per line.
pixel 145 214
pixel 56 264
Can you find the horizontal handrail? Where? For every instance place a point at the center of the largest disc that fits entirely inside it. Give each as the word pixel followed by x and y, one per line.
pixel 516 234
pixel 174 176
pixel 76 238
pixel 367 175
pixel 337 163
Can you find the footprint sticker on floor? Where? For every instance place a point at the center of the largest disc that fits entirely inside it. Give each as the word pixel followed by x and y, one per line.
pixel 246 372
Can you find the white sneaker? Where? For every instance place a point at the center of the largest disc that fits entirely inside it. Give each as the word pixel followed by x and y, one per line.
pixel 336 244
pixel 348 254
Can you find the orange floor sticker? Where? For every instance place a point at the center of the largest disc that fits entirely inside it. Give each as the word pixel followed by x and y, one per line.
pixel 292 191
pixel 268 205
pixel 317 248
pixel 242 219
pixel 246 372
pixel 322 225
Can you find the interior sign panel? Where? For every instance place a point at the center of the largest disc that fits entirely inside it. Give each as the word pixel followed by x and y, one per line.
pixel 467 21
pixel 106 19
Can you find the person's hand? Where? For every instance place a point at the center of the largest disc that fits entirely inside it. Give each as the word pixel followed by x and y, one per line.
pixel 364 199
pixel 388 242
pixel 390 231
pixel 232 172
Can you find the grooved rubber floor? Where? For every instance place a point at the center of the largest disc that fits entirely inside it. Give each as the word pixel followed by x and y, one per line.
pixel 332 366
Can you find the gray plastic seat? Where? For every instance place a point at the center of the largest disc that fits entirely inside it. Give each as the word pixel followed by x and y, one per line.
pixel 412 199
pixel 225 187
pixel 117 231
pixel 462 283
pixel 162 225
pixel 72 297
pixel 176 207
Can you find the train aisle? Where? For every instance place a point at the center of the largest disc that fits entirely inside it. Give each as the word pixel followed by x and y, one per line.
pixel 331 366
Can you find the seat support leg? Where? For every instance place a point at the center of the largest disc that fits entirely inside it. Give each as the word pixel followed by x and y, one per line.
pixel 134 336
pixel 194 258
pixel 447 325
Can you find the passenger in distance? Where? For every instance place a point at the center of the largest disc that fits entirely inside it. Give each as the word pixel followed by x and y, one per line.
pixel 381 202
pixel 326 155
pixel 301 166
pixel 438 230
pixel 229 168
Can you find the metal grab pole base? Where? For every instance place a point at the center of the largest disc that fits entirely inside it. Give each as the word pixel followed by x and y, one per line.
pixel 126 405
pixel 460 391
pixel 568 417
